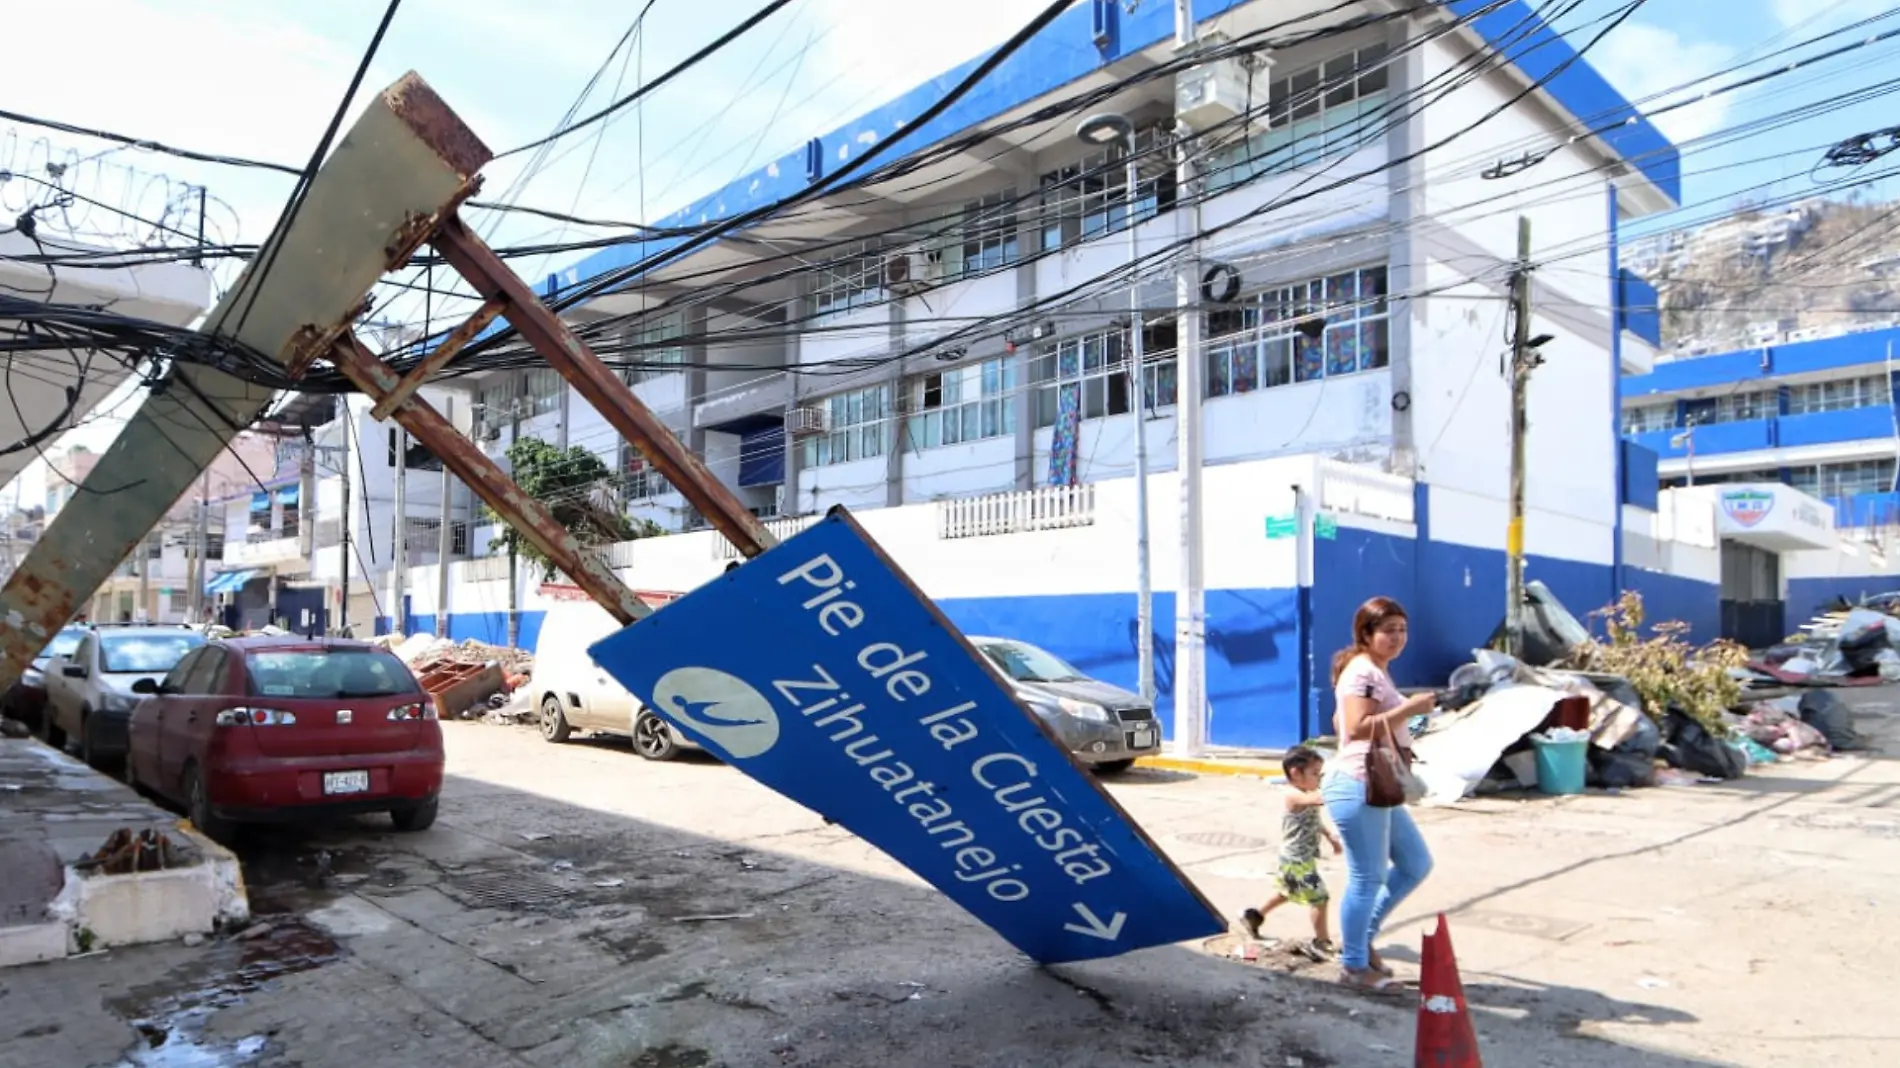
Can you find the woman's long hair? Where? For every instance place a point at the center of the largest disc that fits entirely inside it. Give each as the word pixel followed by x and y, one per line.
pixel 1365 622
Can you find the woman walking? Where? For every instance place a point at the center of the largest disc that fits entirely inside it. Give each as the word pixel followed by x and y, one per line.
pixel 1386 857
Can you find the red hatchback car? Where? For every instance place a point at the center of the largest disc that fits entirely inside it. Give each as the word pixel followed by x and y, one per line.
pixel 258 729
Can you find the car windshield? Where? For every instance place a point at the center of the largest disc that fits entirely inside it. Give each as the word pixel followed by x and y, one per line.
pixel 63 643
pixel 1026 663
pixel 146 654
pixel 321 673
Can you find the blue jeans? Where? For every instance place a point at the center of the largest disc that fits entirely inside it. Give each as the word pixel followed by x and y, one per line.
pixel 1386 859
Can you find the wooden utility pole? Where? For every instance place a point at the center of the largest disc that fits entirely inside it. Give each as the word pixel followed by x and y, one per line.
pixel 1523 358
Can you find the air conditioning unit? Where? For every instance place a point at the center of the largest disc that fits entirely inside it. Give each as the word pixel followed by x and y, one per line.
pixel 909 273
pixel 1220 92
pixel 804 422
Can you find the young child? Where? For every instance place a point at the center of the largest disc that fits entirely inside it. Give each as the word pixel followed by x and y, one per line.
pixel 1301 828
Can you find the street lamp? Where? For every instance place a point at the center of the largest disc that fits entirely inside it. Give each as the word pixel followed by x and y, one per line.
pixel 1102 131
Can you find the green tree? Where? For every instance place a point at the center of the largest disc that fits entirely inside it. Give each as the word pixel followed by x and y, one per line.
pixel 578 488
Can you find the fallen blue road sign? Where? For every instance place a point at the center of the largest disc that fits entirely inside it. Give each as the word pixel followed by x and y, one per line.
pixel 820 670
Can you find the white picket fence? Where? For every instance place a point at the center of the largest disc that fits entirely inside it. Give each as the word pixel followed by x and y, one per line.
pixel 1365 491
pixel 1047 508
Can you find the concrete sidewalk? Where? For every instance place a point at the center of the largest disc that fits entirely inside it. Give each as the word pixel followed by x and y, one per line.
pixel 54 812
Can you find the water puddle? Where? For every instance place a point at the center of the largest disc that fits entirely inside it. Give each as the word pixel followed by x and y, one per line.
pixel 171 1015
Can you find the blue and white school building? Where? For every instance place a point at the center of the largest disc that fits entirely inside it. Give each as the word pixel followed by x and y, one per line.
pixel 1794 442
pixel 996 464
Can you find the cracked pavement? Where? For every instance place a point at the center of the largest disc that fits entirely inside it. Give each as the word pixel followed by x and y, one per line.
pixel 577 906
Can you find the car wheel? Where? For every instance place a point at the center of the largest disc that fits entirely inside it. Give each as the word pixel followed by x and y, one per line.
pixel 554 719
pixel 1113 767
pixel 417 817
pixel 51 732
pixel 198 808
pixel 652 738
pixel 88 749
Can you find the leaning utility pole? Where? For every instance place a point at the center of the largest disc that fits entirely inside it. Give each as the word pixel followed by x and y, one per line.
pixel 1190 603
pixel 1523 359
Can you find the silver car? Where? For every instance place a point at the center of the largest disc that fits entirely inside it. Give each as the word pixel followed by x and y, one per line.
pixel 89 696
pixel 1105 726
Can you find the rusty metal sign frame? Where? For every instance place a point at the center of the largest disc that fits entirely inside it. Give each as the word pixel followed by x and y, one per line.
pixel 363 218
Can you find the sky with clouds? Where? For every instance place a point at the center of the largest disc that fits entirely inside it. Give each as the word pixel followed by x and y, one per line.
pixel 260 79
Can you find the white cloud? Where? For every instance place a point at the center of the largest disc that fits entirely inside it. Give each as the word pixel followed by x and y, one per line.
pixel 1824 16
pixel 1642 60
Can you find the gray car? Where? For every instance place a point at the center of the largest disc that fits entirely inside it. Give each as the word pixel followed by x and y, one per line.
pixel 1105 726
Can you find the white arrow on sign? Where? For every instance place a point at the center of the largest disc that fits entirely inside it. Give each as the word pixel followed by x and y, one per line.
pixel 1093 926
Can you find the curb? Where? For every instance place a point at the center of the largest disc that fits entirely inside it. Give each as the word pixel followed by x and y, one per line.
pixel 1248 769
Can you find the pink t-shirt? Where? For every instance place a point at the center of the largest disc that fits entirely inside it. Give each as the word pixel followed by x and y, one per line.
pixel 1363 678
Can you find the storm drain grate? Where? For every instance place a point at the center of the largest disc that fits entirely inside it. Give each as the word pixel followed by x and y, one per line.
pixel 502 889
pixel 1222 840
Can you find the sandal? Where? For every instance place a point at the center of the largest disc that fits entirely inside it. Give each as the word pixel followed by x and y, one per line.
pixel 1376 963
pixel 1370 981
pixel 1315 950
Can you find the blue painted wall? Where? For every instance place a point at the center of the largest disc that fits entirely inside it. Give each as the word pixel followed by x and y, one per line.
pixel 1254 650
pixel 1808 596
pixel 1672 597
pixel 1752 365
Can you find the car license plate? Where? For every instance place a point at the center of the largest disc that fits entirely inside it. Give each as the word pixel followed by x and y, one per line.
pixel 346 782
pixel 1142 738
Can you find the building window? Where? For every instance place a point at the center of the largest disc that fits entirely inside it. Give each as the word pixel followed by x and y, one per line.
pixel 1868 391
pixel 1325 110
pixel 653 347
pixel 496 402
pixel 640 479
pixel 1731 408
pixel 544 389
pixel 966 404
pixel 1648 417
pixel 1089 198
pixel 1850 479
pixel 856 427
pixel 855 280
pixel 1255 346
pixel 988 237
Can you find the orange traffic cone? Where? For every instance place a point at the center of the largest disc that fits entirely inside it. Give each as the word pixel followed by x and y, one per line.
pixel 1445 1035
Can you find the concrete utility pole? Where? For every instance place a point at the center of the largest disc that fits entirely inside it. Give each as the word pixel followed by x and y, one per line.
pixel 343 531
pixel 1523 358
pixel 1190 605
pixel 445 541
pixel 201 536
pixel 1100 130
pixel 514 556
pixel 399 612
pixel 144 552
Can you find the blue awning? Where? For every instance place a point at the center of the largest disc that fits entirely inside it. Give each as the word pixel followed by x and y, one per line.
pixel 289 494
pixel 229 581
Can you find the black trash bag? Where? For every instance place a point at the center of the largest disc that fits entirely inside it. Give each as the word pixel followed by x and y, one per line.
pixel 1828 714
pixel 1688 745
pixel 1643 741
pixel 1620 770
pixel 1863 635
pixel 1551 633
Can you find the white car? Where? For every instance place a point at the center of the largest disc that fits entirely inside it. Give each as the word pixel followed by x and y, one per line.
pixel 572 693
pixel 89 694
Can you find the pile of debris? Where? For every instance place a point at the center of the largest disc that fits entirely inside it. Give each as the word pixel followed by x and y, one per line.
pixel 464 679
pixel 1849 645
pixel 1480 738
pixel 125 852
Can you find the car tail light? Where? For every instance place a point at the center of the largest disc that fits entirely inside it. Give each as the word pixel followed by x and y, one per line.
pixel 425 710
pixel 255 717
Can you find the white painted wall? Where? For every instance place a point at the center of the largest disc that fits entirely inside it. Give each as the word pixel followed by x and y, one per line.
pixel 1565 196
pixel 1461 425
